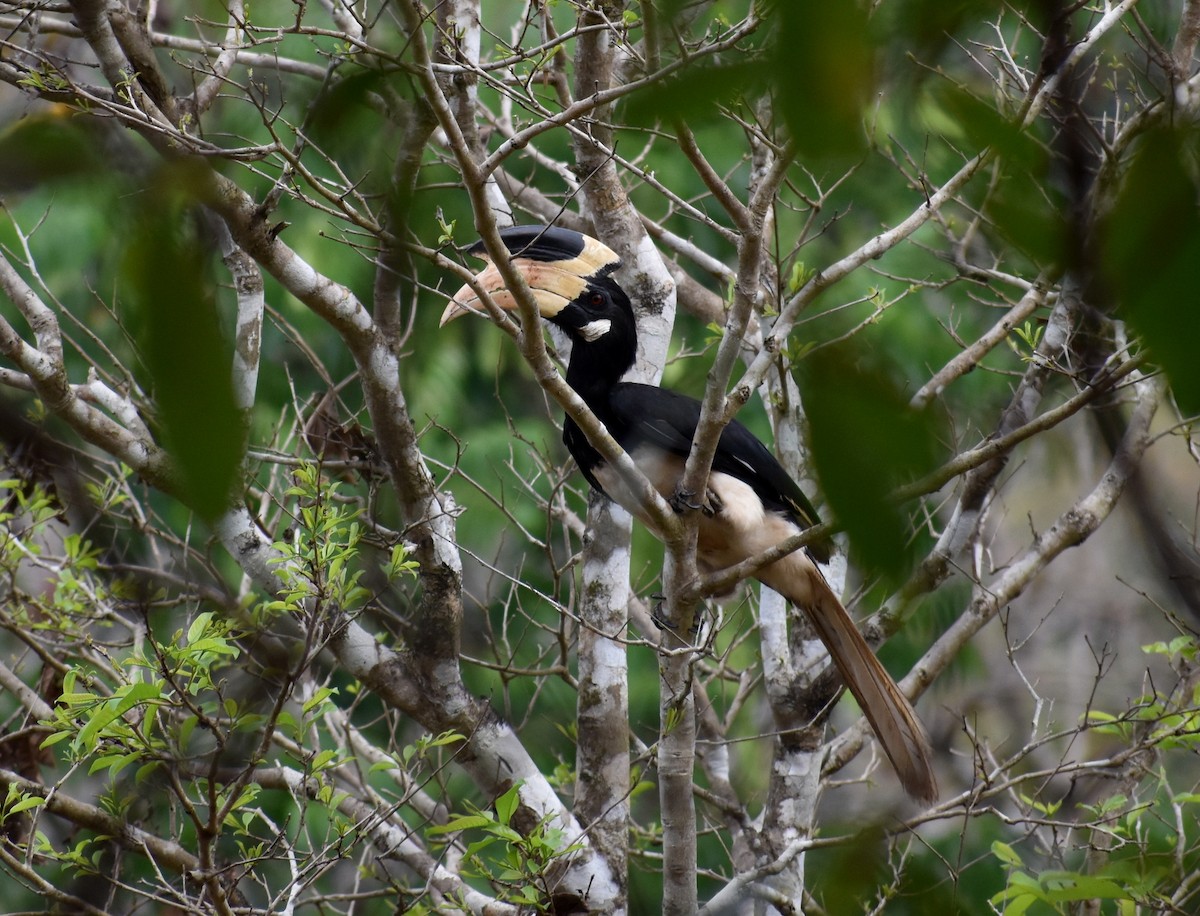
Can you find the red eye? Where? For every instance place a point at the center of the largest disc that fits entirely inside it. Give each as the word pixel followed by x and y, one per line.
pixel 597 299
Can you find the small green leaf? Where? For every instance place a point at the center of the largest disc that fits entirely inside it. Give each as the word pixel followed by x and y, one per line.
pixel 198 626
pixel 114 709
pixel 55 739
pixel 507 804
pixel 462 822
pixel 1064 886
pixel 29 801
pixel 322 759
pixel 1019 904
pixel 318 697
pixel 1006 854
pixel 506 833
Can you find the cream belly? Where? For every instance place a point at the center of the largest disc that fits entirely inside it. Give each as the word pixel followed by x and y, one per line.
pixel 740 528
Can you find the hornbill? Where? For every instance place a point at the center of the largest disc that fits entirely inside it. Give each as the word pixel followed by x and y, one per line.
pixel 752 503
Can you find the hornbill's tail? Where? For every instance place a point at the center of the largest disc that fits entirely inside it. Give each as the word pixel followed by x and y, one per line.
pixel 886 708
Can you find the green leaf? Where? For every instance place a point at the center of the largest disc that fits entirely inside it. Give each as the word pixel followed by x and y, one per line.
pixel 185 730
pixel 1006 854
pixel 198 626
pixel 1062 886
pixel 462 822
pixel 29 801
pixel 114 763
pixel 478 846
pixel 508 803
pixel 323 759
pixel 318 697
pixel 112 710
pixel 442 739
pixel 55 739
pixel 1023 884
pixel 1019 904
pixel 506 833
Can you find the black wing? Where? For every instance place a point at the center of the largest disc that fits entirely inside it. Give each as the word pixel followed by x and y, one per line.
pixel 659 416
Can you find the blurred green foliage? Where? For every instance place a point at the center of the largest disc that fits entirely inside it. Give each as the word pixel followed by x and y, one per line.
pixel 866 441
pixel 1150 260
pixel 170 288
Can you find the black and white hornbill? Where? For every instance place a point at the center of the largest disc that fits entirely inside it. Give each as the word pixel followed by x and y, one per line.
pixel 752 505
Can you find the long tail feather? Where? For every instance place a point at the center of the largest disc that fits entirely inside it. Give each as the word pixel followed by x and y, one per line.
pixel 886 708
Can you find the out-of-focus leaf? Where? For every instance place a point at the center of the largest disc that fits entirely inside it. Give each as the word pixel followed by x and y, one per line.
pixel 844 869
pixel 45 147
pixel 823 74
pixel 1025 207
pixel 346 121
pixel 1025 211
pixel 866 440
pixel 342 116
pixel 696 92
pixel 1151 257
pixel 978 124
pixel 188 358
pixel 923 29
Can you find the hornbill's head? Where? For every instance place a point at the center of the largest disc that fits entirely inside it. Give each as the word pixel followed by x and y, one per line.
pixel 569 275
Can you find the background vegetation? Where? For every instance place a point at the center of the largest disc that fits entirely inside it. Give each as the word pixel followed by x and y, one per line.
pixel 303 607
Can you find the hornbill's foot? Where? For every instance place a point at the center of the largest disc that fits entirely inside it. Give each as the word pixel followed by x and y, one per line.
pixel 660 620
pixel 656 613
pixel 682 502
pixel 712 505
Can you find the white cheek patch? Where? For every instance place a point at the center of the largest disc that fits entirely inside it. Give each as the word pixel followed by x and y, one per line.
pixel 594 330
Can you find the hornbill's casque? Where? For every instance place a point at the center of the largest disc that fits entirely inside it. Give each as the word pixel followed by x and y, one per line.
pixel 752 503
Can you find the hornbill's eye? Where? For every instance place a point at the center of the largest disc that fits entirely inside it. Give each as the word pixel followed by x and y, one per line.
pixel 597 299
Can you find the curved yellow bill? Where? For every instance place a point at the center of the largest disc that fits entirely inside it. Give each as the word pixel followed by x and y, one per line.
pixel 554 283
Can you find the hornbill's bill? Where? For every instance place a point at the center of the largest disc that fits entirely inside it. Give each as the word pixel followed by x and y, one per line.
pixel 752 503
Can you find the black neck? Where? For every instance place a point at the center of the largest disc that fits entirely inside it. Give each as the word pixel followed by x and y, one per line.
pixel 597 365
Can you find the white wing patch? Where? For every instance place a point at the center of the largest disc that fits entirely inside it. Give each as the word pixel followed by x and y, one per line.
pixel 747 465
